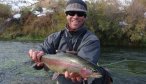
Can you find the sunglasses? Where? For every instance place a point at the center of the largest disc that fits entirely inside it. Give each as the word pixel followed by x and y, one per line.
pixel 78 13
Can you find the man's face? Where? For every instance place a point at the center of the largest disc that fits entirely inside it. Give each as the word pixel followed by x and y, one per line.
pixel 75 19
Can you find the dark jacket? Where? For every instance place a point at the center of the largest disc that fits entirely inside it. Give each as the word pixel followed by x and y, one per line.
pixel 88 48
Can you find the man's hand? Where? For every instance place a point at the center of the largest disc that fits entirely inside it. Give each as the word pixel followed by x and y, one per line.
pixel 36 56
pixel 75 77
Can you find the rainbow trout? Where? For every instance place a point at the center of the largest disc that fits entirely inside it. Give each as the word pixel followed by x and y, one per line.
pixel 62 62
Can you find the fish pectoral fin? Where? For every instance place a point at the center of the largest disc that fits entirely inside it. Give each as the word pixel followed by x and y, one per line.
pixel 55 76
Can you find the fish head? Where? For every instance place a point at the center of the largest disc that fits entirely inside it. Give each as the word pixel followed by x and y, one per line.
pixel 85 72
pixel 95 75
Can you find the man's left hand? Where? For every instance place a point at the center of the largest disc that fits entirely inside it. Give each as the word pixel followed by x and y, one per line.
pixel 75 77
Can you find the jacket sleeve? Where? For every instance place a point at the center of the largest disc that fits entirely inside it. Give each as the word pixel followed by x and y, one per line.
pixel 48 45
pixel 90 49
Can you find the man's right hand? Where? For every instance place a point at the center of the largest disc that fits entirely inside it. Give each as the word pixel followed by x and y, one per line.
pixel 36 56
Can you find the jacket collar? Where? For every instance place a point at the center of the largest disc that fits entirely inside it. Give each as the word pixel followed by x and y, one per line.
pixel 77 32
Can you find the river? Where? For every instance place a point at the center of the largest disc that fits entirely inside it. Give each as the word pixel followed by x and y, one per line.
pixel 127 65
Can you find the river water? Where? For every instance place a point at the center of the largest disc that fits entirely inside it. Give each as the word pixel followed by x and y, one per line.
pixel 127 65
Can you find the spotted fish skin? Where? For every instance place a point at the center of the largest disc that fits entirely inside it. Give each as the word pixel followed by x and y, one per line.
pixel 61 62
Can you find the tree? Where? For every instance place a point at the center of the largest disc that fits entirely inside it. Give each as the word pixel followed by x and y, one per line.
pixel 135 18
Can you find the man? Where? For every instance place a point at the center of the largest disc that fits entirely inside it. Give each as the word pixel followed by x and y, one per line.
pixel 75 39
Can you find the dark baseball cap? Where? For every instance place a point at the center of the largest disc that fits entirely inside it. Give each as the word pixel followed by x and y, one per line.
pixel 76 5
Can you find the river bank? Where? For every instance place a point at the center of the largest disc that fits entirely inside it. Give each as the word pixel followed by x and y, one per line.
pixel 108 44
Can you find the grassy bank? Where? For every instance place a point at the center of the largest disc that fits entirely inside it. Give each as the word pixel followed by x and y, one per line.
pixel 41 39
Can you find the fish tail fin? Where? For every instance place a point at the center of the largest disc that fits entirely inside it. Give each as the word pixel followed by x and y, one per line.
pixel 55 76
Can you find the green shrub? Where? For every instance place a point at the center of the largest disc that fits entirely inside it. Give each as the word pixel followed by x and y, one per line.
pixel 5 11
